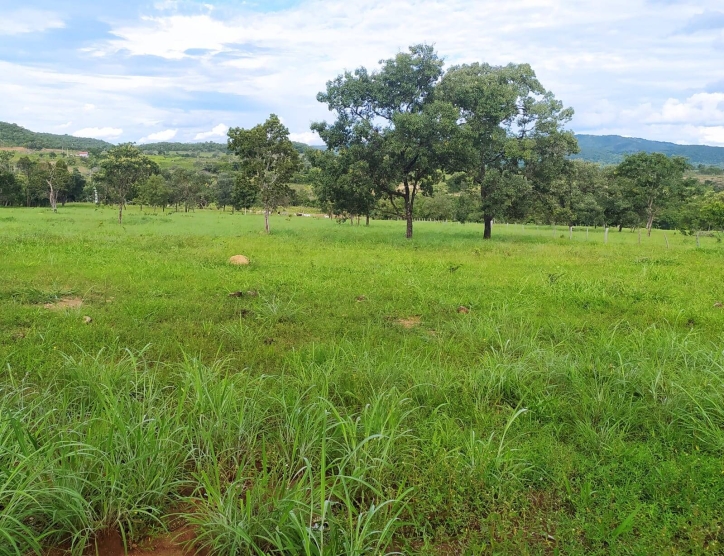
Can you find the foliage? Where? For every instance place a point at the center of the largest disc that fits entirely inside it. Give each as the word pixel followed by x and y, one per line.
pixel 154 191
pixel 268 160
pixel 512 134
pixel 390 122
pixel 122 168
pixel 654 179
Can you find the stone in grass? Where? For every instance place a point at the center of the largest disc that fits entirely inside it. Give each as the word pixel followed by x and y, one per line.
pixel 463 310
pixel 239 260
pixel 87 319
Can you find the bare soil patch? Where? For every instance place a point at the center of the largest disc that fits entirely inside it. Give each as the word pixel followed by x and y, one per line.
pixel 171 544
pixel 409 322
pixel 65 303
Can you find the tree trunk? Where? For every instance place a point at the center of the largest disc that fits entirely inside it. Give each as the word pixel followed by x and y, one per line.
pixel 266 220
pixel 650 223
pixel 488 231
pixel 620 227
pixel 367 222
pixel 408 217
pixel 120 212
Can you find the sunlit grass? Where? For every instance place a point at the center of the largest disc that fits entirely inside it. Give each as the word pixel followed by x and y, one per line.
pixel 349 407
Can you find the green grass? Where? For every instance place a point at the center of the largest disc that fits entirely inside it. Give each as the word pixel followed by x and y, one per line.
pixel 578 407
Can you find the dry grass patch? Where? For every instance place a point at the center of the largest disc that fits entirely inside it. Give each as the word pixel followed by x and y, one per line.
pixel 409 322
pixel 65 303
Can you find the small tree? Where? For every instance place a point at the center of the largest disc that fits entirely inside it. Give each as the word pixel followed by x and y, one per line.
pixel 56 177
pixel 342 184
pixel 244 194
pixel 268 160
pixel 712 210
pixel 655 179
pixel 154 191
pixel 224 190
pixel 122 168
pixel 186 187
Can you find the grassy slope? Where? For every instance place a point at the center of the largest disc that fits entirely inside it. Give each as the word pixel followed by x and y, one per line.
pixel 13 135
pixel 614 351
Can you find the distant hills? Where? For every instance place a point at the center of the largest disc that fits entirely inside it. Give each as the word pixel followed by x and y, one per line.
pixel 604 149
pixel 610 149
pixel 12 135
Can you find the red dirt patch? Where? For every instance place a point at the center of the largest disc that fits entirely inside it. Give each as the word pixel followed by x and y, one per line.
pixel 171 544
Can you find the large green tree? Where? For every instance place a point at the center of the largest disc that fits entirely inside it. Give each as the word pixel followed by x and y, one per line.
pixel 654 180
pixel 391 121
pixel 268 160
pixel 122 168
pixel 512 134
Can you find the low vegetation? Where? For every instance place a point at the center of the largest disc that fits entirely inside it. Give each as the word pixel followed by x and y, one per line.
pixel 353 392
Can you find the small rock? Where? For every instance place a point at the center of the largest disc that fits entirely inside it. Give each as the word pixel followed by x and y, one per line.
pixel 718 304
pixel 463 310
pixel 239 260
pixel 87 319
pixel 360 298
pixel 252 293
pixel 236 294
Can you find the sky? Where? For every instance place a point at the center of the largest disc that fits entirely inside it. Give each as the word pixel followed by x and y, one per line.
pixel 167 70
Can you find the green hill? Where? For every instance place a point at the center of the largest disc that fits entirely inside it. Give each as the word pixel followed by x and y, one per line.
pixel 610 149
pixel 605 149
pixel 12 135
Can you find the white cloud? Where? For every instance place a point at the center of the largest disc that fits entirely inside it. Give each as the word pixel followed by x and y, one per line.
pixel 701 108
pixel 166 135
pixel 713 135
pixel 218 131
pixel 24 21
pixel 99 132
pixel 308 137
pixel 623 66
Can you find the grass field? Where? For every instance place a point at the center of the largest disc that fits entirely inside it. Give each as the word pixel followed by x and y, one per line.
pixel 364 394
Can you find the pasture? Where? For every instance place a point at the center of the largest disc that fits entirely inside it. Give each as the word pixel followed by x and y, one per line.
pixel 361 393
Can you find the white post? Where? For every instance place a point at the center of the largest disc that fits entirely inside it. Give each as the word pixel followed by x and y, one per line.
pixel 570 232
pixel 666 239
pixel 586 233
pixel 605 235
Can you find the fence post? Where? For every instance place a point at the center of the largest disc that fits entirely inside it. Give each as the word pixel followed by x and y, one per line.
pixel 570 232
pixel 666 239
pixel 605 235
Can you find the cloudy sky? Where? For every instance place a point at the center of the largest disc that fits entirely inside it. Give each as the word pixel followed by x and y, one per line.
pixel 144 71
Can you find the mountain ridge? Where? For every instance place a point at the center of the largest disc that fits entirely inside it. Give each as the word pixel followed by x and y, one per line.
pixel 604 149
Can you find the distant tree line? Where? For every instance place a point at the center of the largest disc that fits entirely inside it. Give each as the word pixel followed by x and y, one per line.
pixel 410 140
